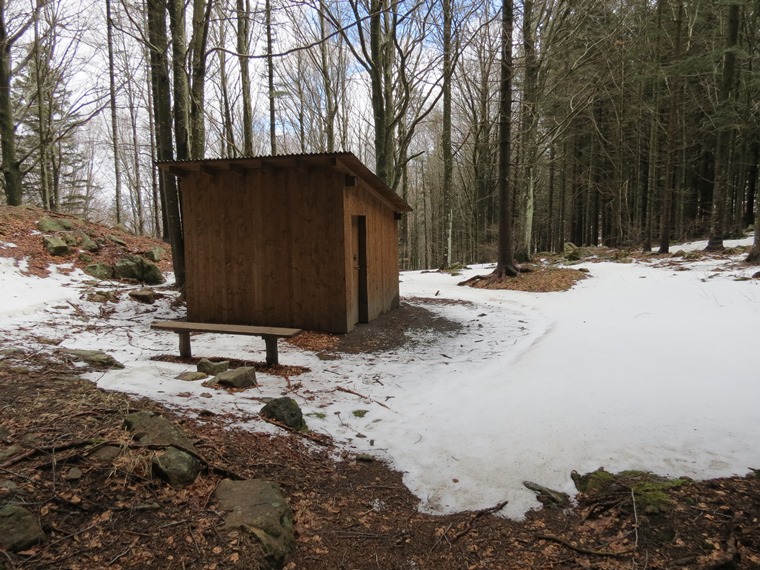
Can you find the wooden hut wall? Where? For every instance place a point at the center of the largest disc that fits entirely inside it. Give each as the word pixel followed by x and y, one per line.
pixel 381 248
pixel 263 247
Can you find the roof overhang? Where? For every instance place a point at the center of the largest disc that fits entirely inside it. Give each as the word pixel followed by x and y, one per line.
pixel 345 162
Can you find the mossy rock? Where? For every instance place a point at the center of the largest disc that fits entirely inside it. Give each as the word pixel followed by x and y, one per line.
pixel 55 245
pixel 155 254
pixel 99 270
pixel 48 225
pixel 647 489
pixel 286 411
pixel 599 482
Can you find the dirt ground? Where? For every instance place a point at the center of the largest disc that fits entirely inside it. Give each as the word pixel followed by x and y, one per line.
pixel 350 512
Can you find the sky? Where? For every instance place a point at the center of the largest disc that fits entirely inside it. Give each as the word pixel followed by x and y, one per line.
pixel 644 365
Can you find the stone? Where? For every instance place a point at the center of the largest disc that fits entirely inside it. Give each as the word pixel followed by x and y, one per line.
pixel 756 275
pixel 117 240
pixel 286 411
pixel 96 358
pixel 87 243
pixel 70 239
pixel 243 377
pixel 212 368
pixel 259 508
pixel 69 224
pixel 155 254
pixel 177 467
pixel 191 376
pixel 571 251
pixel 19 528
pixel 55 245
pixel 152 429
pixel 4 432
pixel 145 295
pixel 138 268
pixel 73 474
pixel 85 258
pixel 99 271
pixel 9 452
pixel 106 454
pixel 48 225
pixel 102 297
pixel 8 485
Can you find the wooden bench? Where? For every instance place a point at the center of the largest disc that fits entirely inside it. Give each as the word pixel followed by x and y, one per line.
pixel 184 328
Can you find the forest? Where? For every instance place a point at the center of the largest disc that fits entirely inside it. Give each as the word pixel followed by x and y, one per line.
pixel 622 123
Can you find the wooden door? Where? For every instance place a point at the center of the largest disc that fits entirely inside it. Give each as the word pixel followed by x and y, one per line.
pixel 353 293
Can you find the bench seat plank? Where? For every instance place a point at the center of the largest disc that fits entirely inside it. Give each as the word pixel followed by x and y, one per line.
pixel 181 326
pixel 184 328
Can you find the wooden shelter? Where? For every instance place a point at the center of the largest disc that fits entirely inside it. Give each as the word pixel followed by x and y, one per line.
pixel 306 241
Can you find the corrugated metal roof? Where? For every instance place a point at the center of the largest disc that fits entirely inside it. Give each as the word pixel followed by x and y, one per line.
pixel 345 162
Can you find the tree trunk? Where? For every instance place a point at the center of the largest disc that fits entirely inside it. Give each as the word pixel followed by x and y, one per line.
pixel 243 20
pixel 162 108
pixel 114 117
pixel 723 138
pixel 198 43
pixel 270 78
pixel 448 158
pixel 179 75
pixel 10 166
pixel 671 153
pixel 505 264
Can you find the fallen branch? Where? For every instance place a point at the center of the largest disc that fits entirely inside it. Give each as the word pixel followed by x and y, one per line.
pixel 475 516
pixel 347 391
pixel 580 549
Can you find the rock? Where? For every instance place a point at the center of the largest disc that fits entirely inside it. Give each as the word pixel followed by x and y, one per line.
pixel 212 368
pixel 48 225
pixel 55 245
pixel 99 270
pixel 138 268
pixel 102 297
pixel 69 224
pixel 96 358
pixel 106 454
pixel 286 411
pixel 85 258
pixel 19 529
pixel 692 255
pixel 679 253
pixel 258 507
pixel 756 275
pixel 155 254
pixel 145 295
pixel 4 432
pixel 117 240
pixel 151 429
pixel 243 377
pixel 9 452
pixel 571 251
pixel 8 485
pixel 87 243
pixel 69 238
pixel 177 467
pixel 191 376
pixel 73 474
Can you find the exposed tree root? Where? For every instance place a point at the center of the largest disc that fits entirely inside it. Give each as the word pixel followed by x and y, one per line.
pixel 580 549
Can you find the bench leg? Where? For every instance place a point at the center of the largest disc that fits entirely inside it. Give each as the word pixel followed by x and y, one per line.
pixel 271 342
pixel 184 345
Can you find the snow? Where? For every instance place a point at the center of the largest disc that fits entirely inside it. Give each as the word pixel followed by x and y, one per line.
pixel 641 366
